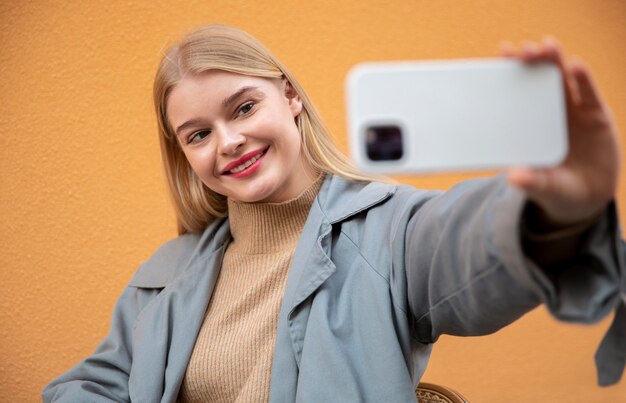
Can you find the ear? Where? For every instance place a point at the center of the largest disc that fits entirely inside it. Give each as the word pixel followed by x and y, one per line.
pixel 295 102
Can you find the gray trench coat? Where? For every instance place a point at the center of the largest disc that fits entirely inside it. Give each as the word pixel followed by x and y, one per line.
pixel 379 273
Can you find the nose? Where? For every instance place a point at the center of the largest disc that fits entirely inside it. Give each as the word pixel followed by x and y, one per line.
pixel 229 140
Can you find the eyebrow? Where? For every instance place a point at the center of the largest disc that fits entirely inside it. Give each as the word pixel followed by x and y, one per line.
pixel 225 103
pixel 243 90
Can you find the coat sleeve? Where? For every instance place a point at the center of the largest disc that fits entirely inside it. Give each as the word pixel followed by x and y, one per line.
pixel 467 273
pixel 103 376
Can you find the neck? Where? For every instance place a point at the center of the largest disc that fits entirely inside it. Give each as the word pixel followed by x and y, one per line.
pixel 268 227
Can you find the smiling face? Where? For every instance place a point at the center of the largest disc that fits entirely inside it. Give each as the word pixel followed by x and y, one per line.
pixel 239 135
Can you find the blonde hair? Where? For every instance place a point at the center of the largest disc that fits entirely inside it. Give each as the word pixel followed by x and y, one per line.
pixel 220 47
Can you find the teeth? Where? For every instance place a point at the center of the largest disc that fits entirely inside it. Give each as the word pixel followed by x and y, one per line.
pixel 246 164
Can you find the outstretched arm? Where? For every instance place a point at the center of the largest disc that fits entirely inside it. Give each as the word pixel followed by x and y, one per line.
pixel 474 253
pixel 566 200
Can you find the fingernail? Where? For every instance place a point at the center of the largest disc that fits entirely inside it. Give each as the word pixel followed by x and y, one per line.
pixel 550 39
pixel 529 49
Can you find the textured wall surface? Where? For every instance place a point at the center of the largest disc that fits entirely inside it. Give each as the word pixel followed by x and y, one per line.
pixel 82 196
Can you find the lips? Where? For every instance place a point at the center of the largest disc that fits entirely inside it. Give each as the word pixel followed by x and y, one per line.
pixel 244 162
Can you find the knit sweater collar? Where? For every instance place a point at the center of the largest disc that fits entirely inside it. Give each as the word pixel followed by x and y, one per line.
pixel 270 227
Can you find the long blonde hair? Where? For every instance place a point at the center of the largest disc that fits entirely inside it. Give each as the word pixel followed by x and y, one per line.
pixel 220 47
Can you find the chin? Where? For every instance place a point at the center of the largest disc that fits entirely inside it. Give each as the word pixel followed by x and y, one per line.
pixel 249 197
pixel 259 192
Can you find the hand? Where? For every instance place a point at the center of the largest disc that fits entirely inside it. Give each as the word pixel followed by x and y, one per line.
pixel 581 186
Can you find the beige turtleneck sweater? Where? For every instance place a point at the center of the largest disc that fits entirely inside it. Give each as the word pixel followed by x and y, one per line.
pixel 232 358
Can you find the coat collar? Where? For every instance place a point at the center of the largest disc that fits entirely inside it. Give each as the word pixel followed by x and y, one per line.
pixel 341 198
pixel 337 200
pixel 179 254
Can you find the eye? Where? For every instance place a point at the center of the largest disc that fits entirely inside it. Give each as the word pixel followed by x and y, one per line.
pixel 245 108
pixel 198 136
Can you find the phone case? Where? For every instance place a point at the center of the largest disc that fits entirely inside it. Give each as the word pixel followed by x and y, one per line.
pixel 408 117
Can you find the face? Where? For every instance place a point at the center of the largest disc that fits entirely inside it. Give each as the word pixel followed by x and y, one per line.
pixel 239 135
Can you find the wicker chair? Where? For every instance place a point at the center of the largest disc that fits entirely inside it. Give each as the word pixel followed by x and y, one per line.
pixel 431 393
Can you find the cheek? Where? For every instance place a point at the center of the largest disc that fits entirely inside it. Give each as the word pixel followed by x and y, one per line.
pixel 202 162
pixel 292 136
pixel 286 131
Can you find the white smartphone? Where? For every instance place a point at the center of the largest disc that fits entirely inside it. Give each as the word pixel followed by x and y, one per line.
pixel 412 117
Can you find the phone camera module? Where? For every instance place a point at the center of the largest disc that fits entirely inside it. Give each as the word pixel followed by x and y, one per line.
pixel 384 143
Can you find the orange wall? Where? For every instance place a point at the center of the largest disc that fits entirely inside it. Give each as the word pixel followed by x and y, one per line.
pixel 82 197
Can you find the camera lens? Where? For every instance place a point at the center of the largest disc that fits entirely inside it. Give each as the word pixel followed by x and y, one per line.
pixel 384 143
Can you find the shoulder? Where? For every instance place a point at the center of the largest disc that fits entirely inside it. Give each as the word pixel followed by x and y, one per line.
pixel 342 198
pixel 395 204
pixel 175 255
pixel 385 197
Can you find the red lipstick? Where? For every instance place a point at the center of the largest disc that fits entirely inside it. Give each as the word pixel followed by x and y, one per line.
pixel 240 167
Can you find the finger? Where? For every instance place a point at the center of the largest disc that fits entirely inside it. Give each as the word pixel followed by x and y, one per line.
pixel 554 52
pixel 541 52
pixel 527 51
pixel 548 50
pixel 588 93
pixel 507 50
pixel 530 52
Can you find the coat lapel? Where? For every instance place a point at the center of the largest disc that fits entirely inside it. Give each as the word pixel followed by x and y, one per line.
pixel 300 283
pixel 338 200
pixel 168 327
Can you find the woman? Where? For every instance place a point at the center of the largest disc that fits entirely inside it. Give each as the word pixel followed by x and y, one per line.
pixel 296 278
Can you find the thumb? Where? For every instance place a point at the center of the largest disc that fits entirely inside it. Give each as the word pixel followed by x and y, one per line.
pixel 532 181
